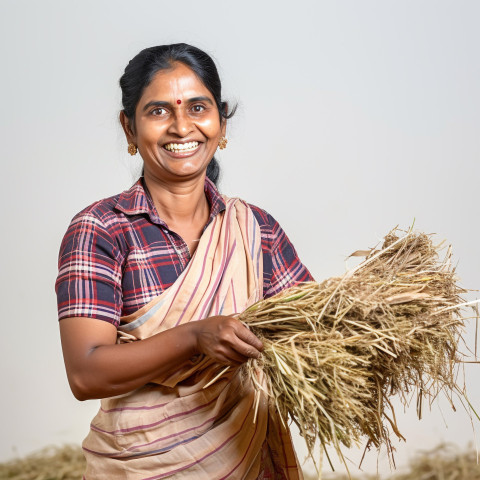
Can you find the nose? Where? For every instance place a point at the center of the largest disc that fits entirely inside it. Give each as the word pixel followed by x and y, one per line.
pixel 181 124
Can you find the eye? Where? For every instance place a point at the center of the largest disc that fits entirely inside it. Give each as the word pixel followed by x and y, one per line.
pixel 158 111
pixel 198 108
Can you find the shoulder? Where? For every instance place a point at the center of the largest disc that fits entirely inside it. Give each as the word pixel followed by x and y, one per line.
pixel 267 223
pixel 282 265
pixel 102 211
pixel 269 227
pixel 100 225
pixel 264 219
pixel 111 212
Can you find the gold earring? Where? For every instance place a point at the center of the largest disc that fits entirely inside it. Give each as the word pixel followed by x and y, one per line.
pixel 132 149
pixel 222 143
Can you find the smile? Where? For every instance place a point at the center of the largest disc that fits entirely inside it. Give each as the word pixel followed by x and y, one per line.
pixel 181 147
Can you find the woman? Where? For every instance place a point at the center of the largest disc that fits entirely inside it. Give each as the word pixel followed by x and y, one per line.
pixel 148 283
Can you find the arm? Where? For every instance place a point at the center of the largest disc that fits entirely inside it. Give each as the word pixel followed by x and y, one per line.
pixel 89 290
pixel 97 367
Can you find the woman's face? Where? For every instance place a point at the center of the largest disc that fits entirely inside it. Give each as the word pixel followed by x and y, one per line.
pixel 177 126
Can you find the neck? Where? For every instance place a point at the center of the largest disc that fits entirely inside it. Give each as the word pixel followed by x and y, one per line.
pixel 181 202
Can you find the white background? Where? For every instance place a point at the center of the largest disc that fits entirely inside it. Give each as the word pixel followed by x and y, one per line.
pixel 354 116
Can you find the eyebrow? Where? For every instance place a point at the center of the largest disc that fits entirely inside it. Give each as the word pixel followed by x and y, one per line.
pixel 160 103
pixel 200 99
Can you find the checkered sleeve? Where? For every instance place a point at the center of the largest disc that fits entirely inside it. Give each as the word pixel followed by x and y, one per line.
pixel 282 266
pixel 90 271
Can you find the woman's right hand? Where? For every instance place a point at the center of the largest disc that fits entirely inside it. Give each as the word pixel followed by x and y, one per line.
pixel 226 340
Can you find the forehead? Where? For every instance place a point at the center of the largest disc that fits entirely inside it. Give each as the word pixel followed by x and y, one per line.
pixel 178 82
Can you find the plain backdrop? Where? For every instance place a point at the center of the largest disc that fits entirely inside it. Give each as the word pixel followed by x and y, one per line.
pixel 354 117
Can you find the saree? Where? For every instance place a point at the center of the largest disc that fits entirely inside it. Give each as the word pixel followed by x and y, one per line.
pixel 198 421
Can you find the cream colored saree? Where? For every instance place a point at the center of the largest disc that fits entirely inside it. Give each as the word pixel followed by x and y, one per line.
pixel 176 428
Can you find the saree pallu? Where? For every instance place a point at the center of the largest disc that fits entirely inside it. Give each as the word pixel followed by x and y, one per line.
pixel 182 425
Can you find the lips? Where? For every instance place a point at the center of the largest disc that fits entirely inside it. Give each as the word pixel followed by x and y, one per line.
pixel 181 147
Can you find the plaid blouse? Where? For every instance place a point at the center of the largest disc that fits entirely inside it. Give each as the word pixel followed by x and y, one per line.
pixel 117 255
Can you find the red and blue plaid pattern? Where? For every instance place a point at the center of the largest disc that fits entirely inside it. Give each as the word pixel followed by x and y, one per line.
pixel 117 255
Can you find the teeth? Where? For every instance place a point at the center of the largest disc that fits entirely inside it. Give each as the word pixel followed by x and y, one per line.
pixel 181 147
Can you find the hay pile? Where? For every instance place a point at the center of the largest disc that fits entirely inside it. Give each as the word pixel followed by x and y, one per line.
pixel 445 462
pixel 53 463
pixel 337 351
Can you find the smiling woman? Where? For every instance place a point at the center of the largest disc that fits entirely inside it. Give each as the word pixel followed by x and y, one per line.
pixel 149 284
pixel 176 126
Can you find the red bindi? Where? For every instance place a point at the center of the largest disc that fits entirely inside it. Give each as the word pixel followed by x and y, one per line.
pixel 179 101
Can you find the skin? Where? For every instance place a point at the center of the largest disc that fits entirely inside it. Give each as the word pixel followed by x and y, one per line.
pixel 96 366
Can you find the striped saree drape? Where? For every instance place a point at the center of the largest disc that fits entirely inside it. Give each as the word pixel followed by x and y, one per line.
pixel 174 427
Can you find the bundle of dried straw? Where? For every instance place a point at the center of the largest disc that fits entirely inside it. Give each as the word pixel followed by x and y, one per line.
pixel 336 352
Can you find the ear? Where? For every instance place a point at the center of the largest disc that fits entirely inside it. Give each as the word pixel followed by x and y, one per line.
pixel 224 126
pixel 223 121
pixel 127 128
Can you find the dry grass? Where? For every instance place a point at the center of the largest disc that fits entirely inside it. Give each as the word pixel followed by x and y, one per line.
pixel 337 351
pixel 53 463
pixel 446 462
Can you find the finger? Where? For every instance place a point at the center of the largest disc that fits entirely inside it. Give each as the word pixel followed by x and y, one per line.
pixel 230 353
pixel 223 359
pixel 249 337
pixel 236 356
pixel 246 349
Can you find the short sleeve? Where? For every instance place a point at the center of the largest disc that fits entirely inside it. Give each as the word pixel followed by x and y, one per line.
pixel 89 272
pixel 287 269
pixel 282 266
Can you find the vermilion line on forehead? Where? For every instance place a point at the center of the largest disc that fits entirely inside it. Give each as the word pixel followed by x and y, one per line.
pixel 160 103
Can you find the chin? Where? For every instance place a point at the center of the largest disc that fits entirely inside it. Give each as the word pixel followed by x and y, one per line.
pixel 187 174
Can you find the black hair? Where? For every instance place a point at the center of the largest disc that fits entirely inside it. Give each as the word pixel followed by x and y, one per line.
pixel 142 68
